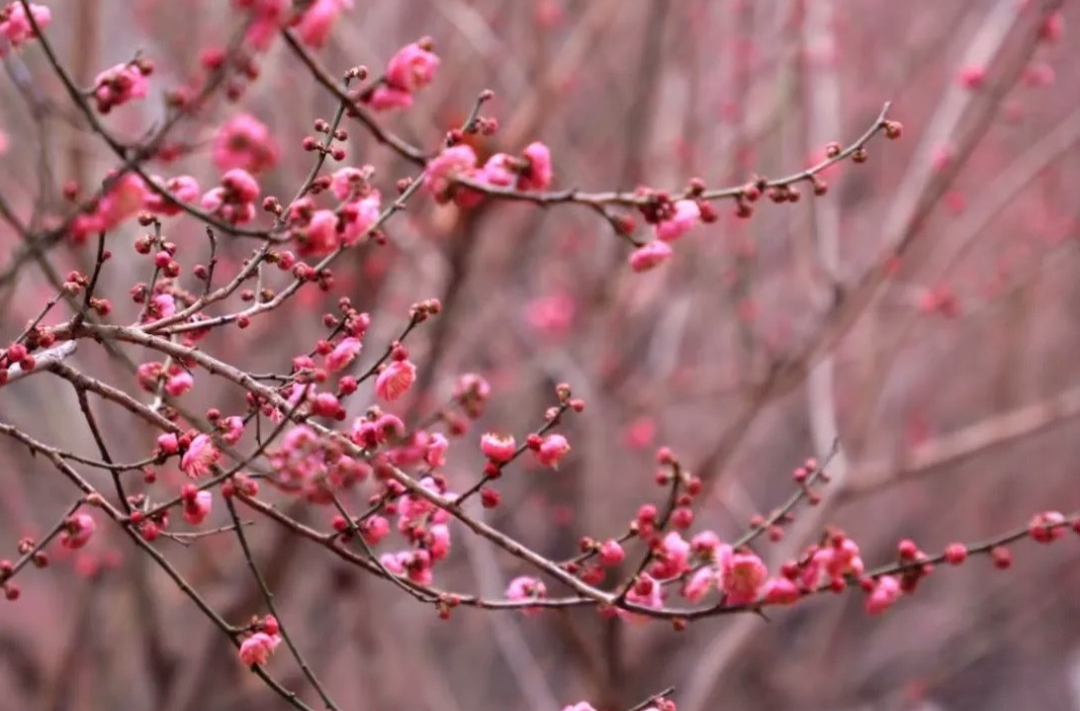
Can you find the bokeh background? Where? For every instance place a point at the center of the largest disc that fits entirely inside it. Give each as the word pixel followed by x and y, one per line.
pixel 953 387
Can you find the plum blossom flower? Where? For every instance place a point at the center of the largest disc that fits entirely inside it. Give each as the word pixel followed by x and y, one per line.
pixel 120 84
pixel 15 25
pixel 179 384
pixel 256 649
pixel 552 450
pixel 358 217
pixel 538 173
pixel 315 24
pixel 687 214
pixel 699 584
pixel 77 531
pixel 344 353
pixel 611 552
pixel 268 17
pixel 395 380
pixel 244 142
pixel 649 256
pixel 200 456
pixel 885 593
pixel 455 161
pixel 435 453
pixel 498 448
pixel 526 588
pixel 182 188
pixel 411 68
pixel 551 315
pixel 741 579
pixel 780 591
pixel 234 200
pixel 197 507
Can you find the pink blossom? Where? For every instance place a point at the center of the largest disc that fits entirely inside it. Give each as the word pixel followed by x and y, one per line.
pixel 77 531
pixel 241 184
pixel 526 588
pixel 780 591
pixel 498 448
pixel 15 25
pixel 972 76
pixel 551 315
pixel 453 162
pixel 552 450
pixel 269 15
pixel 320 236
pixel 374 530
pixel 314 26
pixel 742 578
pixel 646 591
pixel 256 649
pixel 164 305
pixel 885 593
pixel 168 443
pixel 179 384
pixel 699 584
pixel 435 454
pixel 395 380
pixel 200 456
pixel 650 255
pixel 344 353
pixel 118 85
pixel 687 214
pixel 234 200
pixel 348 183
pixel 359 217
pixel 499 170
pixel 244 142
pixel 197 508
pixel 232 429
pixel 611 552
pixel 440 541
pixel 411 68
pixel 385 98
pixel 538 174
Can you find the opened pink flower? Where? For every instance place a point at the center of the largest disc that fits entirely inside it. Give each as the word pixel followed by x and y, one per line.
pixel 395 380
pixel 245 142
pixel 256 649
pixel 200 456
pixel 314 26
pixel 411 68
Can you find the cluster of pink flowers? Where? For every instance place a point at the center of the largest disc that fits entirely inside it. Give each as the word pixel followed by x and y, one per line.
pixel 234 200
pixel 124 198
pixel 314 25
pixel 309 465
pixel 183 188
pixel 245 142
pixel 270 16
pixel 319 232
pixel 120 84
pixel 532 170
pixel 426 527
pixel 410 69
pixel 15 27
pixel 256 649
